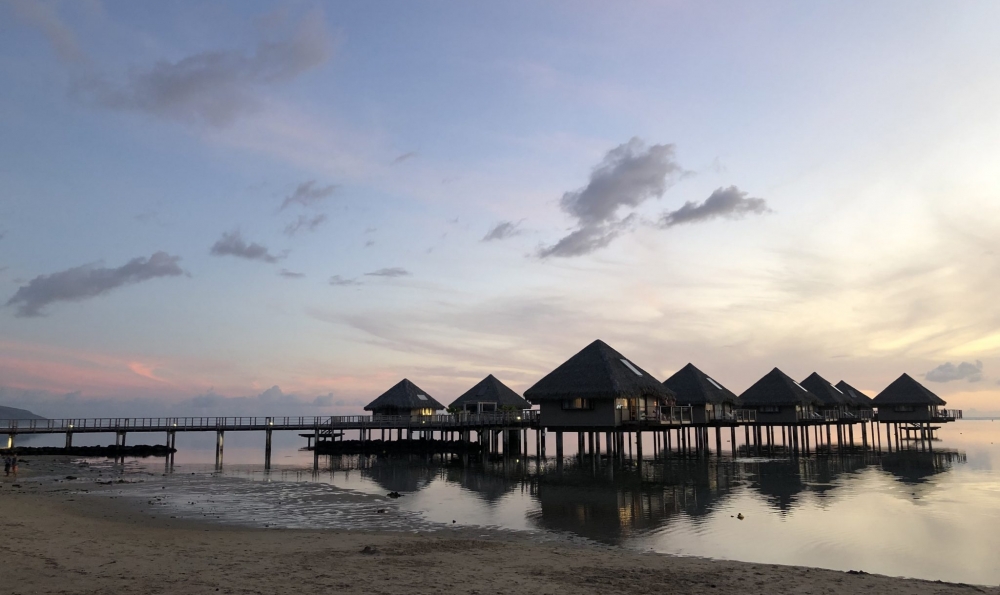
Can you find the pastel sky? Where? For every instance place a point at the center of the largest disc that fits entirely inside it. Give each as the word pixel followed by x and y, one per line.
pixel 234 207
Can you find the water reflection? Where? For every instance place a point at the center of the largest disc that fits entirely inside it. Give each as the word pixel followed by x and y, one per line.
pixel 610 503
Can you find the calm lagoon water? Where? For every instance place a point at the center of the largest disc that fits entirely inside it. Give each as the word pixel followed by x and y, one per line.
pixel 926 514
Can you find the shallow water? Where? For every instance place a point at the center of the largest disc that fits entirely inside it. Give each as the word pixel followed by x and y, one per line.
pixel 925 514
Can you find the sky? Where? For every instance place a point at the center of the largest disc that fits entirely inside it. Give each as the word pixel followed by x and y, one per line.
pixel 236 208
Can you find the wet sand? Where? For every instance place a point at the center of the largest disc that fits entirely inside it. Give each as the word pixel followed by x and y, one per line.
pixel 56 538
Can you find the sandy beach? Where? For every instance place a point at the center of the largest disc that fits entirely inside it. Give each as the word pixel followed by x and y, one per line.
pixel 59 539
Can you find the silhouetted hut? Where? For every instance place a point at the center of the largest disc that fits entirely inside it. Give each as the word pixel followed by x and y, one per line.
pixel 709 400
pixel 779 400
pixel 862 402
pixel 834 402
pixel 489 395
pixel 598 388
pixel 906 400
pixel 405 399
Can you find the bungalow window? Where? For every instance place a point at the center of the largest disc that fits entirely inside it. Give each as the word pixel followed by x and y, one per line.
pixel 903 408
pixel 770 409
pixel 577 404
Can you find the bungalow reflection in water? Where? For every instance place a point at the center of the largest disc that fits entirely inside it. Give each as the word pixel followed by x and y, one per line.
pixel 609 503
pixel 612 510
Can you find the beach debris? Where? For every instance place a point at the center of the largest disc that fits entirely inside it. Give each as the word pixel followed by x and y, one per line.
pixel 856 572
pixel 369 550
pixel 70 477
pixel 394 495
pixel 740 516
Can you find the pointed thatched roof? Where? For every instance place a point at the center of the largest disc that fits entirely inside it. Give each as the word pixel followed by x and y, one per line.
pixel 694 387
pixel 491 390
pixel 597 372
pixel 906 391
pixel 404 395
pixel 775 389
pixel 860 399
pixel 827 392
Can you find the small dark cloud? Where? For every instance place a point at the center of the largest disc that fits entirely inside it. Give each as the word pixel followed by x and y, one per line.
pixel 287 274
pixel 404 157
pixel 339 281
pixel 629 175
pixel 502 231
pixel 304 223
pixel 389 272
pixel 233 244
pixel 371 230
pixel 963 371
pixel 213 87
pixel 87 281
pixel 587 239
pixel 308 194
pixel 731 203
pixel 369 243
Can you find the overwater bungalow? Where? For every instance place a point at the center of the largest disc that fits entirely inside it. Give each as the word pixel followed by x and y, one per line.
pixel 404 399
pixel 862 403
pixel 599 388
pixel 709 400
pixel 780 400
pixel 835 403
pixel 488 395
pixel 906 400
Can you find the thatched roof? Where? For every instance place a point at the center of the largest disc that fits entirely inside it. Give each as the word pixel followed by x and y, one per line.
pixel 906 391
pixel 404 395
pixel 830 395
pixel 860 399
pixel 491 390
pixel 694 387
pixel 597 372
pixel 775 389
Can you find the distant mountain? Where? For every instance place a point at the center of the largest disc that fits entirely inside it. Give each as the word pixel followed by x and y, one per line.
pixel 12 413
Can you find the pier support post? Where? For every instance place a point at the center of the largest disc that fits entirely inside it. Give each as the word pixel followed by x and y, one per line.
pixel 267 449
pixel 69 439
pixel 559 444
pixel 638 445
pixel 219 438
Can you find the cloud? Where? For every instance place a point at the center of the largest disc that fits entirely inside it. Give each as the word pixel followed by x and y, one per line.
pixel 502 231
pixel 339 281
pixel 45 17
pixel 731 203
pixel 287 274
pixel 304 223
pixel 389 272
pixel 213 87
pixel 963 371
pixel 308 194
pixel 588 239
pixel 87 281
pixel 369 243
pixel 404 157
pixel 629 175
pixel 233 244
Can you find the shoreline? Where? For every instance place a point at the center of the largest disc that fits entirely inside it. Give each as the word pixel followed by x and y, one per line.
pixel 66 537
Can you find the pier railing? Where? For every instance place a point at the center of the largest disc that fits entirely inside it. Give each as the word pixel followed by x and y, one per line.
pixel 948 413
pixel 188 424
